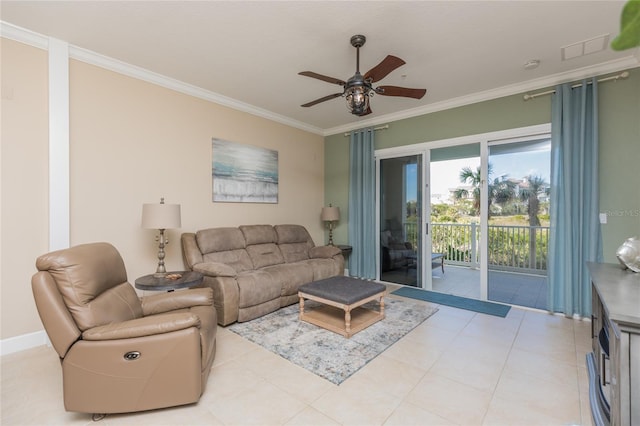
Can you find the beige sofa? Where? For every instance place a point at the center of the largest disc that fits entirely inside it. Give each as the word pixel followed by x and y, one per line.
pixel 257 269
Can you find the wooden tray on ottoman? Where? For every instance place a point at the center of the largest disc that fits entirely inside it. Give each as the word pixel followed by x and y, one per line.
pixel 342 299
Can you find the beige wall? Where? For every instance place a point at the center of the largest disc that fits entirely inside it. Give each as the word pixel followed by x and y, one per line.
pixel 132 142
pixel 24 182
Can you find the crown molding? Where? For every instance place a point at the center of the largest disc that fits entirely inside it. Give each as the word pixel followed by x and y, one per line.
pixel 22 35
pixel 632 61
pixel 31 38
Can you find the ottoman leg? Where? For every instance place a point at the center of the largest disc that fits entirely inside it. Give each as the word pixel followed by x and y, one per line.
pixel 347 320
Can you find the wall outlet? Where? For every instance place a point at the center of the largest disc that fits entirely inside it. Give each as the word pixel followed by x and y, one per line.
pixel 603 218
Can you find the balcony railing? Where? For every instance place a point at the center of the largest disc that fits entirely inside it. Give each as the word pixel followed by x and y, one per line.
pixel 511 248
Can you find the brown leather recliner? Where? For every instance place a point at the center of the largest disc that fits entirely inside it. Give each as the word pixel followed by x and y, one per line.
pixel 121 353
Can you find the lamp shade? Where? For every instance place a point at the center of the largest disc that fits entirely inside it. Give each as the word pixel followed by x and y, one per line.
pixel 330 214
pixel 161 216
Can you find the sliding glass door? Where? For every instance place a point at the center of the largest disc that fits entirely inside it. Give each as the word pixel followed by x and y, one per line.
pixel 467 216
pixel 400 220
pixel 455 215
pixel 518 221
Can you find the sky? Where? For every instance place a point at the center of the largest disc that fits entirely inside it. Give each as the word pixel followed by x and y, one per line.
pixel 446 174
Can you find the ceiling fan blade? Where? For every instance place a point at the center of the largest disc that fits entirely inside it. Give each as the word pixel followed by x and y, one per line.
pixel 400 91
pixel 381 70
pixel 322 77
pixel 326 98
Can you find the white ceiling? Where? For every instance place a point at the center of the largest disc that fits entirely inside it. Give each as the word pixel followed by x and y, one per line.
pixel 248 54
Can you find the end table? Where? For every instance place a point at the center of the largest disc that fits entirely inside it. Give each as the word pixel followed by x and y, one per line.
pixel 154 283
pixel 346 250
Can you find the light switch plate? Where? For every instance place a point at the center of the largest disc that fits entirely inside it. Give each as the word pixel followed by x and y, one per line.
pixel 603 218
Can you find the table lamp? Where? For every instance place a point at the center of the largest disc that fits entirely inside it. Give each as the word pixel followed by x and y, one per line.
pixel 330 214
pixel 161 216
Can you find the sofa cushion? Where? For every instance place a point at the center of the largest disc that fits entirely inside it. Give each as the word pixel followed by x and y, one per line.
pixel 294 242
pixel 290 276
pixel 261 245
pixel 294 252
pixel 220 239
pixel 293 234
pixel 215 269
pixel 265 255
pixel 239 259
pixel 251 312
pixel 258 234
pixel 256 287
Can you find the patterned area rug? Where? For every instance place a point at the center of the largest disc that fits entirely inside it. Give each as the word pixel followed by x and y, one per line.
pixel 325 353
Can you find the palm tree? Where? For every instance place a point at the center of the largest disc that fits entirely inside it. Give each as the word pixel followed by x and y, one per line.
pixel 467 175
pixel 501 190
pixel 536 186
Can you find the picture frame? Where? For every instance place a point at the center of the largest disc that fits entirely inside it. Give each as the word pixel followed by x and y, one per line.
pixel 243 173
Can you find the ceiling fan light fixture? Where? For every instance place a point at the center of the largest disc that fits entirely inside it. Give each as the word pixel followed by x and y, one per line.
pixel 357 100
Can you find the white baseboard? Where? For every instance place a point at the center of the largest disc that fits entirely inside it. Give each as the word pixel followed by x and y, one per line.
pixel 23 342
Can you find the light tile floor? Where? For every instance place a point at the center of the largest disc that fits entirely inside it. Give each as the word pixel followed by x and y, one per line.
pixel 457 368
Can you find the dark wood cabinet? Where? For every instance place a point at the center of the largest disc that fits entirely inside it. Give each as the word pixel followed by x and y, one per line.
pixel 614 365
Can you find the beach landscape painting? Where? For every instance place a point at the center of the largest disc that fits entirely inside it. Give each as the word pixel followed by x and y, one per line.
pixel 243 173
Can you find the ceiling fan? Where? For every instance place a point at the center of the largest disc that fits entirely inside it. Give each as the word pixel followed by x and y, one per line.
pixel 359 88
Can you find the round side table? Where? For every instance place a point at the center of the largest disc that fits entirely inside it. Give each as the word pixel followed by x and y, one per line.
pixel 346 250
pixel 151 282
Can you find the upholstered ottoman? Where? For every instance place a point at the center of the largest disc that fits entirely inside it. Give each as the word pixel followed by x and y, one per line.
pixel 341 299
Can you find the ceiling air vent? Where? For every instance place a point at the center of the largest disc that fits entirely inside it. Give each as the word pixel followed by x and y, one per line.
pixel 585 47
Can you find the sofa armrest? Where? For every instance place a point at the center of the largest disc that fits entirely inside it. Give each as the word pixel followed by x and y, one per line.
pixel 146 326
pixel 166 302
pixel 190 250
pixel 215 269
pixel 324 252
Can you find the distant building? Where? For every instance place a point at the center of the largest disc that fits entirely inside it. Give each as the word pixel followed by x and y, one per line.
pixel 441 199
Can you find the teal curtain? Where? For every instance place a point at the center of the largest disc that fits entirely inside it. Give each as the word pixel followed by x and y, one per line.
pixel 575 227
pixel 362 204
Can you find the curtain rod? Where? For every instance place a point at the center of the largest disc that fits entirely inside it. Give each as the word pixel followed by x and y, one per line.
pixel 386 126
pixel 617 77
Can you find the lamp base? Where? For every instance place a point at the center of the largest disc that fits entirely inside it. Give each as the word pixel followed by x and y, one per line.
pixel 162 241
pixel 330 233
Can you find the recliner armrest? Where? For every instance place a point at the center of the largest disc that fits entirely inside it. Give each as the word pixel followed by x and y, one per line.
pixel 324 252
pixel 215 269
pixel 166 302
pixel 146 326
